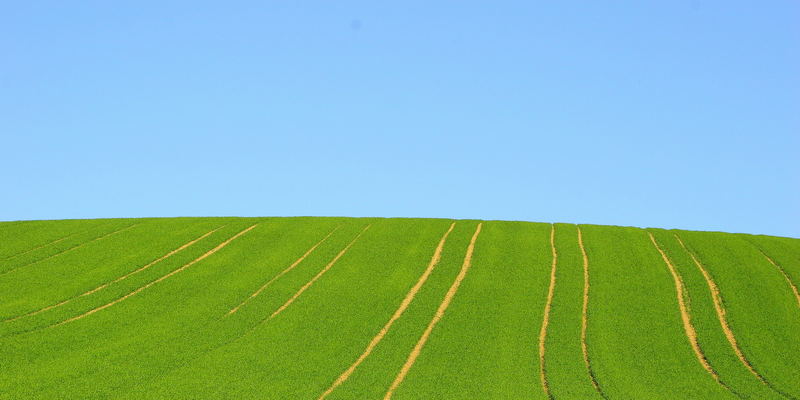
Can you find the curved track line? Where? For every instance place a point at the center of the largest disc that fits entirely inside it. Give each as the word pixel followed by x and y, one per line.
pixel 546 319
pixel 317 276
pixel 39 247
pixel 783 271
pixel 585 316
pixel 412 357
pixel 237 337
pixel 723 320
pixel 105 285
pixel 69 249
pixel 688 327
pixel 187 265
pixel 280 274
pixel 402 308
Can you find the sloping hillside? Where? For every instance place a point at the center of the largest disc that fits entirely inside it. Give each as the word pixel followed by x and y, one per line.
pixel 351 308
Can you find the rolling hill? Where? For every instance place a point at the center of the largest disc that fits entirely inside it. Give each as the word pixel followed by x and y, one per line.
pixel 372 308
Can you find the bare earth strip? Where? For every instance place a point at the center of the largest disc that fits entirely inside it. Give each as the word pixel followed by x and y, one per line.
pixel 723 320
pixel 105 285
pixel 691 333
pixel 40 247
pixel 412 357
pixel 318 275
pixel 289 268
pixel 399 312
pixel 70 249
pixel 585 317
pixel 546 319
pixel 137 291
pixel 785 275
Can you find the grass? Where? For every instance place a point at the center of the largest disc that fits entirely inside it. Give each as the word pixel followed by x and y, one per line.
pixel 566 372
pixel 762 310
pixel 166 331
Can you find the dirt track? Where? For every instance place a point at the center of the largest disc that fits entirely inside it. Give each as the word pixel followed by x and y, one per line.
pixel 412 357
pixel 546 318
pixel 437 254
pixel 280 274
pixel 105 285
pixel 318 275
pixel 585 316
pixel 688 327
pixel 187 265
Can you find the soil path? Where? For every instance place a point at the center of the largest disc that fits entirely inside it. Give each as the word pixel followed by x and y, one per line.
pixel 105 285
pixel 546 319
pixel 280 274
pixel 585 317
pixel 723 319
pixel 412 357
pixel 785 275
pixel 437 254
pixel 69 249
pixel 688 327
pixel 317 276
pixel 185 266
pixel 40 247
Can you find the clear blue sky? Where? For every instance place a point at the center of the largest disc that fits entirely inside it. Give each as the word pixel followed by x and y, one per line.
pixel 676 114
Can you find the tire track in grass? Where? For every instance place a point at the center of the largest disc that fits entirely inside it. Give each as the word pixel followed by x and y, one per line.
pixel 412 357
pixel 719 307
pixel 280 274
pixel 105 285
pixel 70 249
pixel 686 317
pixel 546 319
pixel 585 317
pixel 298 293
pixel 185 266
pixel 318 275
pixel 399 312
pixel 783 271
pixel 250 330
pixel 39 247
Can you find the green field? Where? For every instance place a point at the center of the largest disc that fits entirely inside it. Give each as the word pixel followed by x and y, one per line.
pixel 373 308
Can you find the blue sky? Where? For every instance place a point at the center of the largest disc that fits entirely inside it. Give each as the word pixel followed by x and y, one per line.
pixel 676 114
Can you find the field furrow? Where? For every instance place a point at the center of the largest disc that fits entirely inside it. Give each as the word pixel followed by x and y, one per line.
pixel 351 303
pixel 683 300
pixel 719 307
pixel 397 308
pixel 437 254
pixel 724 319
pixel 783 253
pixel 117 280
pixel 451 292
pixel 21 238
pixel 635 335
pixel 282 273
pixel 546 319
pixel 61 239
pixel 567 374
pixel 140 289
pixel 709 333
pixel 75 247
pixel 585 318
pixel 785 275
pixel 316 277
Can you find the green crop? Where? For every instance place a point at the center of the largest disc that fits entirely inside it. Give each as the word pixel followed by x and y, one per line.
pixel 283 308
